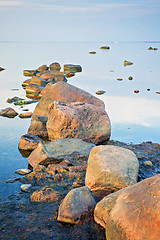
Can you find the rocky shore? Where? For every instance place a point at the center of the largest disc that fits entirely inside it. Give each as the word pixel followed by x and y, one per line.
pixel 81 185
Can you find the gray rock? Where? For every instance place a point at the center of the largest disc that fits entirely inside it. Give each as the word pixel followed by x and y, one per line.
pixel 58 150
pixel 111 168
pixel 25 187
pixel 76 203
pixel 1 69
pixel 22 171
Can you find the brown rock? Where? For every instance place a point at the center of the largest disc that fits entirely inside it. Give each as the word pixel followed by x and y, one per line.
pixel 29 142
pixel 92 52
pixel 42 68
pixel 72 67
pixel 105 47
pixel 26 83
pixel 1 69
pixel 127 63
pixel 8 112
pixel 29 72
pixel 136 91
pixel 45 75
pixel 58 76
pixel 39 81
pixel 45 195
pixel 78 120
pixel 69 74
pixel 100 92
pixel 110 168
pixel 132 213
pixel 33 88
pixel 25 115
pixel 64 92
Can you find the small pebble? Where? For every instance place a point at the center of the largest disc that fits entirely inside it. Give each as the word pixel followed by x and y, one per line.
pixel 25 187
pixel 158 92
pixel 92 52
pixel 136 91
pixel 100 92
pixel 148 89
pixel 148 163
pixel 22 171
pixel 130 77
pixel 119 79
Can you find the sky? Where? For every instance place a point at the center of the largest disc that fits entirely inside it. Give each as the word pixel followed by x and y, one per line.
pixel 80 20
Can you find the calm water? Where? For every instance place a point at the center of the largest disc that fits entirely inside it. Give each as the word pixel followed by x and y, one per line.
pixel 134 117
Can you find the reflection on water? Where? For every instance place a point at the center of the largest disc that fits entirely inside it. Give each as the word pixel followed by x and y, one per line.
pixel 134 117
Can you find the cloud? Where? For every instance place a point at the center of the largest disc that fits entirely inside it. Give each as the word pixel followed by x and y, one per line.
pixel 132 111
pixel 10 3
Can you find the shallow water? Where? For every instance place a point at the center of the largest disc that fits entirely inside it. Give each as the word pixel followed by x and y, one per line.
pixel 134 117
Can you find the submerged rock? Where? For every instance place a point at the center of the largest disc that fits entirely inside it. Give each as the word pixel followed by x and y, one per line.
pixel 72 67
pixel 8 112
pixel 78 120
pixel 64 92
pixel 77 202
pixel 24 102
pixel 29 142
pixel 133 212
pixel 58 150
pixel 110 168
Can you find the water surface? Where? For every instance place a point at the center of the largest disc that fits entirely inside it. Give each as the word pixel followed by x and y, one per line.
pixel 134 117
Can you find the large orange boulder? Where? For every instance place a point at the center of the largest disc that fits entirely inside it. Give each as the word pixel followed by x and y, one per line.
pixel 132 213
pixel 65 92
pixel 78 120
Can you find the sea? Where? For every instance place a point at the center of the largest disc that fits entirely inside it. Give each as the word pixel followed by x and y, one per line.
pixel 135 117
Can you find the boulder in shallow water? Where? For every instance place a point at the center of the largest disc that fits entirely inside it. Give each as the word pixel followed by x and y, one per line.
pixel 29 142
pixel 58 150
pixel 132 213
pixel 29 72
pixel 110 168
pixel 76 203
pixel 78 120
pixel 22 171
pixel 42 68
pixel 65 92
pixel 8 112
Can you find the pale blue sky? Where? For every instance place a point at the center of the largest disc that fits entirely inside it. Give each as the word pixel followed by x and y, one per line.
pixel 80 20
